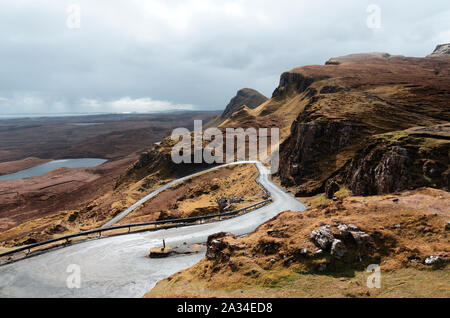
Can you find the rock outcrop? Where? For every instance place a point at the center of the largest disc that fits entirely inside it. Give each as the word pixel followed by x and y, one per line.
pixel 309 142
pixel 441 49
pixel 323 237
pixel 295 81
pixel 246 96
pixel 401 160
pixel 355 232
pixel 350 100
pixel 331 187
pixel 217 249
pixel 348 238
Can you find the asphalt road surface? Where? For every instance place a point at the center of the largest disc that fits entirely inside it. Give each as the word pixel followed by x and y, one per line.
pixel 118 266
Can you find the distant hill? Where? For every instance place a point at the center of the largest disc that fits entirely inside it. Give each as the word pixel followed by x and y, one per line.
pixel 349 106
pixel 244 97
pixel 349 123
pixel 352 131
pixel 442 49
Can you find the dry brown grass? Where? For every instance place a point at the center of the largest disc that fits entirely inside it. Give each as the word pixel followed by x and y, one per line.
pixel 273 113
pixel 198 195
pixel 253 271
pixel 400 283
pixel 113 202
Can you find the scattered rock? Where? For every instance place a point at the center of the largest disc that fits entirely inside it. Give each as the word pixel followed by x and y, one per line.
pixel 268 247
pixel 432 260
pixel 348 234
pixel 395 200
pixel 397 226
pixel 361 237
pixel 73 216
pixel 215 247
pixel 335 198
pixel 233 247
pixel 345 229
pixel 302 252
pixel 351 230
pixel 323 237
pixel 225 204
pixel 319 252
pixel 338 249
pixel 289 261
pixel 322 267
pixel 331 187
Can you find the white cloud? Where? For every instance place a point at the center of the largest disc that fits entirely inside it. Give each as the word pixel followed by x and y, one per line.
pixel 34 103
pixel 127 104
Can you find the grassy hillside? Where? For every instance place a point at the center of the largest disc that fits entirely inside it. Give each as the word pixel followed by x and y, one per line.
pixel 280 259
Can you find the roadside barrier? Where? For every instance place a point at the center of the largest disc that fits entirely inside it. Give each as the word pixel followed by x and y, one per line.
pixel 177 222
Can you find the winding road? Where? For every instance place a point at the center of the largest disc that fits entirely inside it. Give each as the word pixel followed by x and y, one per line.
pixel 118 266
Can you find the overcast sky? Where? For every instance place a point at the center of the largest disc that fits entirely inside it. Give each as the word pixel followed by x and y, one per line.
pixel 154 55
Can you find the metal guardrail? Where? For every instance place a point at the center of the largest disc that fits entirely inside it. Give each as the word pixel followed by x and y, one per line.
pixel 129 226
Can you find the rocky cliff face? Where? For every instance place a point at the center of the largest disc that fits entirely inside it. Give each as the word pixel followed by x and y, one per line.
pixel 246 96
pixel 351 99
pixel 402 160
pixel 295 81
pixel 328 116
pixel 310 141
pixel 442 49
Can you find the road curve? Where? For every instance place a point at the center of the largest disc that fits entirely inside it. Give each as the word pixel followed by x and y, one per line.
pixel 118 266
pixel 133 207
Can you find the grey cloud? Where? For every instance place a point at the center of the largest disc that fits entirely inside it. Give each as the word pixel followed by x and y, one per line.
pixel 195 52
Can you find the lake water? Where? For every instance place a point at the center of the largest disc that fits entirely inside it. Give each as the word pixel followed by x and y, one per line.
pixel 52 165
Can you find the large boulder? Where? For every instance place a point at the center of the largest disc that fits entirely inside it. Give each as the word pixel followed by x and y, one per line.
pixel 353 232
pixel 216 247
pixel 433 260
pixel 338 249
pixel 323 237
pixel 348 240
pixel 331 187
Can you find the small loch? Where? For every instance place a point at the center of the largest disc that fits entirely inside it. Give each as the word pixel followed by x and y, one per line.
pixel 52 165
